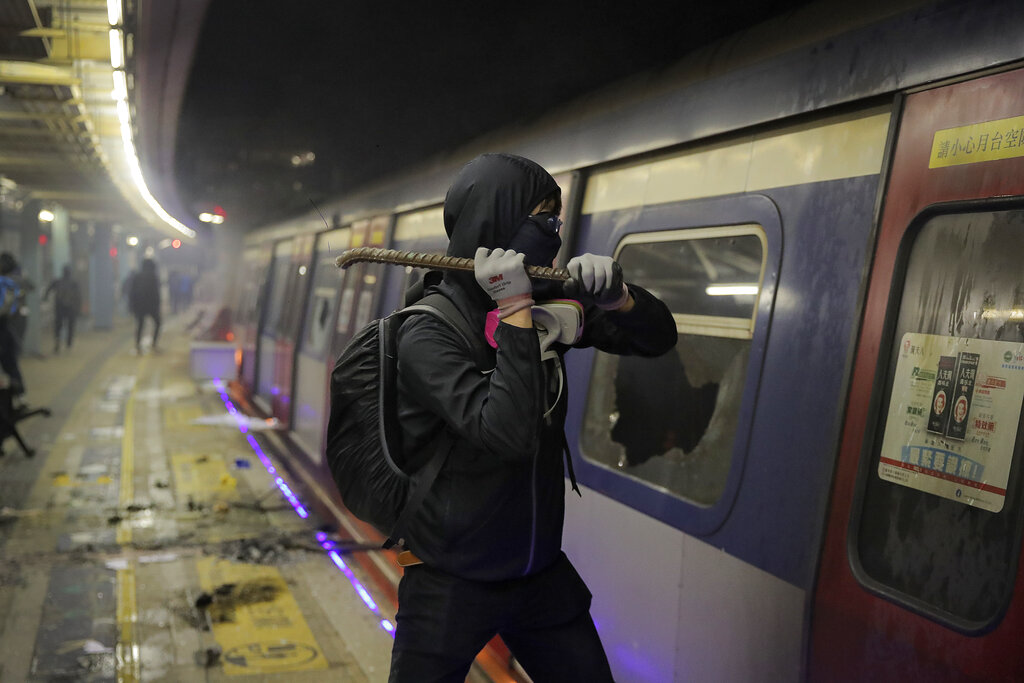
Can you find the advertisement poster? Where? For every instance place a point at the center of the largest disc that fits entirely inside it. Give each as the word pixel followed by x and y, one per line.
pixel 953 417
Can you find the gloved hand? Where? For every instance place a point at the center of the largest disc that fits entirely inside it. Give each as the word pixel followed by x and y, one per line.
pixel 597 278
pixel 502 274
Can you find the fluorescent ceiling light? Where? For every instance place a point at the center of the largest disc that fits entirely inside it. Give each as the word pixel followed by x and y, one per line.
pixel 116 49
pixel 120 86
pixel 114 12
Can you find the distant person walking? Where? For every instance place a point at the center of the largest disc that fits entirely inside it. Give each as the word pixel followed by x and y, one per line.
pixel 145 301
pixel 68 299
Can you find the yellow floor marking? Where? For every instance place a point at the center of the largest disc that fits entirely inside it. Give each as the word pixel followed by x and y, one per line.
pixel 258 625
pixel 128 664
pixel 179 417
pixel 127 484
pixel 203 478
pixel 129 667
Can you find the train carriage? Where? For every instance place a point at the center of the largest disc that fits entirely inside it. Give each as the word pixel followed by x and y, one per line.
pixel 830 220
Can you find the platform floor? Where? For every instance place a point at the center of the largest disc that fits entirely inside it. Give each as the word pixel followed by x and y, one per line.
pixel 150 539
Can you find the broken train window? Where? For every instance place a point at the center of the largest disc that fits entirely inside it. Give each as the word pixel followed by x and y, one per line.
pixel 671 421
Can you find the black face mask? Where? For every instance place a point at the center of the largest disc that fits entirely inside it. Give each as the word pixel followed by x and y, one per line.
pixel 538 239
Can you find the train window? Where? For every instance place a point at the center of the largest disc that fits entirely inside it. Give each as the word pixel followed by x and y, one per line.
pixel 938 525
pixel 281 265
pixel 323 300
pixel 671 421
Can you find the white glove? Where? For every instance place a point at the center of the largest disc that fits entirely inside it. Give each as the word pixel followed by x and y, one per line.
pixel 598 278
pixel 501 273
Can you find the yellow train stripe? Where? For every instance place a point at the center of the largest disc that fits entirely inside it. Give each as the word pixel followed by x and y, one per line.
pixel 425 223
pixel 842 146
pixel 256 620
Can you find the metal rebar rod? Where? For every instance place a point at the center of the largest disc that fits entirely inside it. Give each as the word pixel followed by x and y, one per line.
pixel 420 260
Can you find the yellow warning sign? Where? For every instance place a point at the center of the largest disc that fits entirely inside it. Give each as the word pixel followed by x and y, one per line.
pixel 256 620
pixel 988 141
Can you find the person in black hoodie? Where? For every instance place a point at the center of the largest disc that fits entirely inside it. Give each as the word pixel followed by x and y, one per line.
pixel 483 554
pixel 145 301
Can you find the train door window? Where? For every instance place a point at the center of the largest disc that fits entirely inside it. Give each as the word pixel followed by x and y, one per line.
pixel 324 297
pixel 671 421
pixel 280 267
pixel 938 524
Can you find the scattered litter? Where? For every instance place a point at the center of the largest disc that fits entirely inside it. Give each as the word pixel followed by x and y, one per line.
pixel 160 484
pixel 227 597
pixel 252 424
pixel 221 507
pixel 12 513
pixel 278 548
pixel 89 646
pixel 119 563
pixel 95 647
pixel 242 463
pixel 209 657
pixel 114 432
pixel 158 557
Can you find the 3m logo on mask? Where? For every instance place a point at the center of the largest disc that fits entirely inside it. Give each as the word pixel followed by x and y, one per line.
pixel 496 278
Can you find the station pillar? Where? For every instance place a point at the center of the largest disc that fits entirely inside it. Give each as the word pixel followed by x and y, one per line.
pixel 102 277
pixel 31 261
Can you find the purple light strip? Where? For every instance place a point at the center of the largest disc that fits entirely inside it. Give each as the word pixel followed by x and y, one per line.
pixel 300 510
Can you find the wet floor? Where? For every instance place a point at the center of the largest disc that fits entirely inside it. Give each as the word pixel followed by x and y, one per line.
pixel 156 537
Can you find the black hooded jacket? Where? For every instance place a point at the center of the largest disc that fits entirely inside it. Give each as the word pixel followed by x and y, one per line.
pixel 496 509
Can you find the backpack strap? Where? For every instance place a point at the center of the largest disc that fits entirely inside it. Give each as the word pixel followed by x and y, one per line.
pixel 440 306
pixel 424 478
pixel 441 445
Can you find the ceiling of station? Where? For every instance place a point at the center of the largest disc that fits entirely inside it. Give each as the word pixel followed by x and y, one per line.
pixel 60 137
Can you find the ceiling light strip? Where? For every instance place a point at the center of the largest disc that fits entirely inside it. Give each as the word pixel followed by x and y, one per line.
pixel 120 95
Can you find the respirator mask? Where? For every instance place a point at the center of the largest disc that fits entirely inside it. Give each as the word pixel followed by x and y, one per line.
pixel 538 240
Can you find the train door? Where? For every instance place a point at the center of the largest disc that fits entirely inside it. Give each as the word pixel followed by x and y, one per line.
pixel 290 323
pixel 252 290
pixel 920 577
pixel 280 325
pixel 706 470
pixel 272 304
pixel 314 345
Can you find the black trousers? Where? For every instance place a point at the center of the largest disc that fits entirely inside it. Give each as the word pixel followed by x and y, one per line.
pixel 9 359
pixel 63 316
pixel 544 619
pixel 140 318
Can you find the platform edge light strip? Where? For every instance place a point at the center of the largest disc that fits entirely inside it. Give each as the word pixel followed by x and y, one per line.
pixel 117 62
pixel 329 546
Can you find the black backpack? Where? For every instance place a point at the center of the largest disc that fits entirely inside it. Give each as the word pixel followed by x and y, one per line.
pixel 363 435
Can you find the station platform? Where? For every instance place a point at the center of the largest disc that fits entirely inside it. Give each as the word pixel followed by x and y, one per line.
pixel 157 535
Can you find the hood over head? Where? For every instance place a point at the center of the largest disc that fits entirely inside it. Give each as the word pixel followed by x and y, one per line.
pixel 486 204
